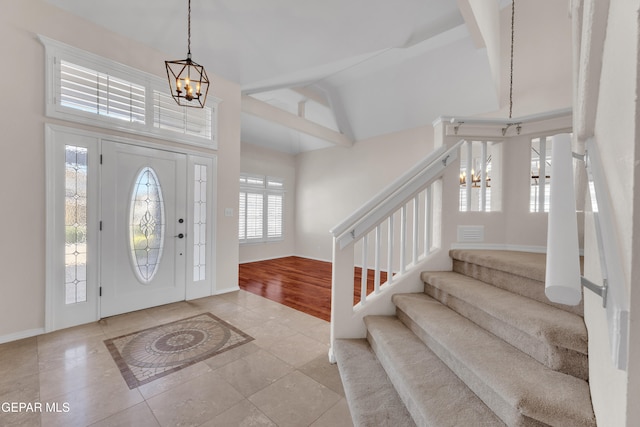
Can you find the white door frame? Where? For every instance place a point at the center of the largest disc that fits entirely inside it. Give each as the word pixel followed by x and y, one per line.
pixel 57 314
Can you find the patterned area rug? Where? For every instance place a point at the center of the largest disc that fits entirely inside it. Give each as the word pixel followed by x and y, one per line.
pixel 155 352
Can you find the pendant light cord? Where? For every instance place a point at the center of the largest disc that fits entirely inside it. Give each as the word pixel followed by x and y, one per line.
pixel 513 8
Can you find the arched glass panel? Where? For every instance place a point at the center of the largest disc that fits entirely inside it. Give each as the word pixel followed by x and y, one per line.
pixel 146 225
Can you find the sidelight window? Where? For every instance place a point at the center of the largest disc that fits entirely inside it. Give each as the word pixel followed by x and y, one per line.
pixel 75 216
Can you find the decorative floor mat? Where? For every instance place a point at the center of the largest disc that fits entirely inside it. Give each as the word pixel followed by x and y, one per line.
pixel 155 352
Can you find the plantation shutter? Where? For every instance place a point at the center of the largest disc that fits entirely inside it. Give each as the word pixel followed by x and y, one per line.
pixel 167 114
pixel 254 216
pixel 274 216
pixel 242 213
pixel 91 91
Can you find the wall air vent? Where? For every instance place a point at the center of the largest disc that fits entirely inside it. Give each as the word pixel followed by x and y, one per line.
pixel 470 233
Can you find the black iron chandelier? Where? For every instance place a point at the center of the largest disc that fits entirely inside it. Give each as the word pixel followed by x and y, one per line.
pixel 188 80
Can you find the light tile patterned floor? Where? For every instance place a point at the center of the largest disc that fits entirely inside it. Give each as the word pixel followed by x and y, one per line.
pixel 282 378
pixel 152 353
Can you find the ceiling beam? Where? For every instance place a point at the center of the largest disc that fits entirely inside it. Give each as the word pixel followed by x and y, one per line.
pixel 267 111
pixel 310 94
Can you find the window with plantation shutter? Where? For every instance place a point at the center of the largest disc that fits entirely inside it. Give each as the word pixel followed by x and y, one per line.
pixel 261 209
pixel 85 88
pixel 167 114
pixel 88 90
pixel 274 216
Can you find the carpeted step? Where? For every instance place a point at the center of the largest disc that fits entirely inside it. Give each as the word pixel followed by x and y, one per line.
pixel 372 399
pixel 522 273
pixel 433 394
pixel 554 337
pixel 520 390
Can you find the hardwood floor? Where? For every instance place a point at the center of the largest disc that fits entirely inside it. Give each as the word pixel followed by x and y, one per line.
pixel 299 283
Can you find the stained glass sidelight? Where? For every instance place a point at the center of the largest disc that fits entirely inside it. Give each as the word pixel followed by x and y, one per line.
pixel 146 225
pixel 75 222
pixel 199 222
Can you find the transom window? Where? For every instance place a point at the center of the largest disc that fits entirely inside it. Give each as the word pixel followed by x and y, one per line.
pixel 86 88
pixel 261 209
pixel 98 93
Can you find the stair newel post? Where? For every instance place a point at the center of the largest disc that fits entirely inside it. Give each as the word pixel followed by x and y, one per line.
pixel 342 325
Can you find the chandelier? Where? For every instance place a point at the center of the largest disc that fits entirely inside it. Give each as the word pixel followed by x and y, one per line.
pixel 188 80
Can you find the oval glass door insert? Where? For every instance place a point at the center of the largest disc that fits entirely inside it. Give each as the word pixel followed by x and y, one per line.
pixel 146 225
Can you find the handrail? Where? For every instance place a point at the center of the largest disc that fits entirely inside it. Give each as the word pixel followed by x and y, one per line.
pixel 613 291
pixel 396 193
pixel 563 282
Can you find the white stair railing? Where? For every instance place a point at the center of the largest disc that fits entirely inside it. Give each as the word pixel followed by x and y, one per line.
pixel 385 239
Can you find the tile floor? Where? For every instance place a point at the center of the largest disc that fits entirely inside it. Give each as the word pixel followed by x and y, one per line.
pixel 282 378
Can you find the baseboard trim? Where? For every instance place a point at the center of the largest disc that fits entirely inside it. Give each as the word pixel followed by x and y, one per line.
pixel 226 290
pixel 21 335
pixel 504 247
pixel 314 258
pixel 500 247
pixel 284 256
pixel 265 259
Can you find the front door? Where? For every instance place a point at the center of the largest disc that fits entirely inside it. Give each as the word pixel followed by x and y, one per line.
pixel 143 223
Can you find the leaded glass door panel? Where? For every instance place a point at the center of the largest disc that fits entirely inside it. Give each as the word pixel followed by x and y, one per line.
pixel 143 228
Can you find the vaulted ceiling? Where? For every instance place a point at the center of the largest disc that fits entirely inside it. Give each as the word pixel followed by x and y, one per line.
pixel 378 66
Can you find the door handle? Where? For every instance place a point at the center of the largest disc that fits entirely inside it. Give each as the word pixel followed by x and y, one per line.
pixel 180 236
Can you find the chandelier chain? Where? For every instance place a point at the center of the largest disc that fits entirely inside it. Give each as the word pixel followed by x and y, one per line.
pixel 189 30
pixel 513 8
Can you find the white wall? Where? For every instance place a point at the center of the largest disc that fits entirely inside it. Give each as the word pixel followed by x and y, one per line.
pixel 263 161
pixel 510 223
pixel 615 394
pixel 333 182
pixel 542 56
pixel 22 181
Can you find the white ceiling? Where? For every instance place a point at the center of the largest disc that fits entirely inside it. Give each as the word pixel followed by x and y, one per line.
pixel 383 66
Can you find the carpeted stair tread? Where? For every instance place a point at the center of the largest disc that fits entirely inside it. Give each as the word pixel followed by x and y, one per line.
pixel 552 336
pixel 526 264
pixel 520 390
pixel 372 399
pixel 522 273
pixel 433 394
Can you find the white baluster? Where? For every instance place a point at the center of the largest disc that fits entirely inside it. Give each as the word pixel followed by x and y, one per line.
pixel 542 173
pixel 376 280
pixel 416 212
pixel 469 166
pixel 483 177
pixel 390 251
pixel 363 280
pixel 427 221
pixel 403 238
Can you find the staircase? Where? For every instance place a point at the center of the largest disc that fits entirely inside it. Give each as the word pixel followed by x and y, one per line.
pixel 482 346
